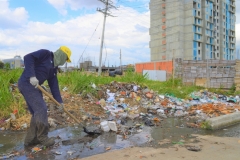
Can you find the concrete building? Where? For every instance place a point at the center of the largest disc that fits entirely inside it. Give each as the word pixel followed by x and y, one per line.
pixel 192 29
pixel 15 62
pixel 238 54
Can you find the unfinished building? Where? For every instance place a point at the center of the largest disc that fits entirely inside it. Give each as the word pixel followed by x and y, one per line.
pixel 192 29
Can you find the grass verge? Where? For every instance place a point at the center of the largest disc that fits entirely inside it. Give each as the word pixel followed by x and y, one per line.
pixel 81 82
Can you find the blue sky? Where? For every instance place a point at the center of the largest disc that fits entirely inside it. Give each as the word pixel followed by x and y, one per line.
pixel 29 25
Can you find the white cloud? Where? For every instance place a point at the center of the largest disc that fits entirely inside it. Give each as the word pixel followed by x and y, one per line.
pixel 11 18
pixel 60 5
pixel 128 32
pixel 237 27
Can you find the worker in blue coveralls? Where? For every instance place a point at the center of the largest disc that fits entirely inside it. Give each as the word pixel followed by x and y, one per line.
pixel 40 66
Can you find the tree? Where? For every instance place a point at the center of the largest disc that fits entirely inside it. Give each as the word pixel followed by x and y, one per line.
pixel 7 66
pixel 1 65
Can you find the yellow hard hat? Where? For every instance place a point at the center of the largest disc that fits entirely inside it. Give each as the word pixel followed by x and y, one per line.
pixel 67 51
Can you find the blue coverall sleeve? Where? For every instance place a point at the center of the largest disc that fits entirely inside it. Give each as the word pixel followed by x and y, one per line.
pixel 53 84
pixel 30 60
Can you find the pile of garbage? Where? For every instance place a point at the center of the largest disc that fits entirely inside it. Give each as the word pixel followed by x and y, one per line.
pixel 117 103
pixel 146 107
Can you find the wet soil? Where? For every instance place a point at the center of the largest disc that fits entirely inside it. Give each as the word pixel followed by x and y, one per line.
pixel 73 143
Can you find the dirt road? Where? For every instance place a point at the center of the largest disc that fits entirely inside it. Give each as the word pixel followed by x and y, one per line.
pixel 214 148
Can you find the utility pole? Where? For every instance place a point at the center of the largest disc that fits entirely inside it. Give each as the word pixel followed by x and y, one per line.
pixel 108 6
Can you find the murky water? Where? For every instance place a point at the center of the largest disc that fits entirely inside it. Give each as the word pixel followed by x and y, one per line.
pixel 171 128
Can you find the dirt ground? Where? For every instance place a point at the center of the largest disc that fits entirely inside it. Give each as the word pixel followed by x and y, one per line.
pixel 214 148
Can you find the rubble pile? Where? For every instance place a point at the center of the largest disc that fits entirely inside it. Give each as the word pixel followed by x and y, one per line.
pixel 117 103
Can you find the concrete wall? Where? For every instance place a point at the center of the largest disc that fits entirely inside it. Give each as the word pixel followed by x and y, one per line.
pixel 211 73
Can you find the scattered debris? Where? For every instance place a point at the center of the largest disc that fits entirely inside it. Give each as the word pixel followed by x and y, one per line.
pixel 36 149
pixel 108 148
pixel 7 156
pixel 58 153
pixel 116 103
pixel 94 132
pixel 193 148
pixel 70 152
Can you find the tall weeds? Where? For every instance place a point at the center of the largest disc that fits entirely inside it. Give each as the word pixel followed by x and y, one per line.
pixel 9 101
pixel 82 82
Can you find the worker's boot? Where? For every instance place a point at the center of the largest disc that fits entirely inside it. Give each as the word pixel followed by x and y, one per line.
pixel 42 135
pixel 31 137
pixel 48 141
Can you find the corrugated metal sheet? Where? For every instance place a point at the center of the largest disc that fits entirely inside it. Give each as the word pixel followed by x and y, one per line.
pixel 163 65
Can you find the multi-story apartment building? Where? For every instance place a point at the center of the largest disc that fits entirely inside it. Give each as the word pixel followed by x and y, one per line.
pixel 192 29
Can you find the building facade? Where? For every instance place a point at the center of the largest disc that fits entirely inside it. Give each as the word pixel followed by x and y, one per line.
pixel 192 29
pixel 238 54
pixel 15 62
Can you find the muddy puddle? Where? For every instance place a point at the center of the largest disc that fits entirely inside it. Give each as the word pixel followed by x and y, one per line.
pixel 74 143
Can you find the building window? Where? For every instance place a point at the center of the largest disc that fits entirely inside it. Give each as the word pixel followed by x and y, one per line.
pixel 194 5
pixel 199 44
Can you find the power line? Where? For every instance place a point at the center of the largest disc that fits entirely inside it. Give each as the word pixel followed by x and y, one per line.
pixel 88 43
pixel 106 12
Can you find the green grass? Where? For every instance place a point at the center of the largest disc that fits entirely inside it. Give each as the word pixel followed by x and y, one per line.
pixel 8 101
pixel 81 82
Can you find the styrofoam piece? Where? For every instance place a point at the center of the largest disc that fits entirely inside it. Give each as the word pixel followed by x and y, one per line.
pixel 112 125
pixel 104 126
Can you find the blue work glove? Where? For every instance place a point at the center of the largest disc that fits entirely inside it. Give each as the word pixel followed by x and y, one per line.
pixel 34 81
